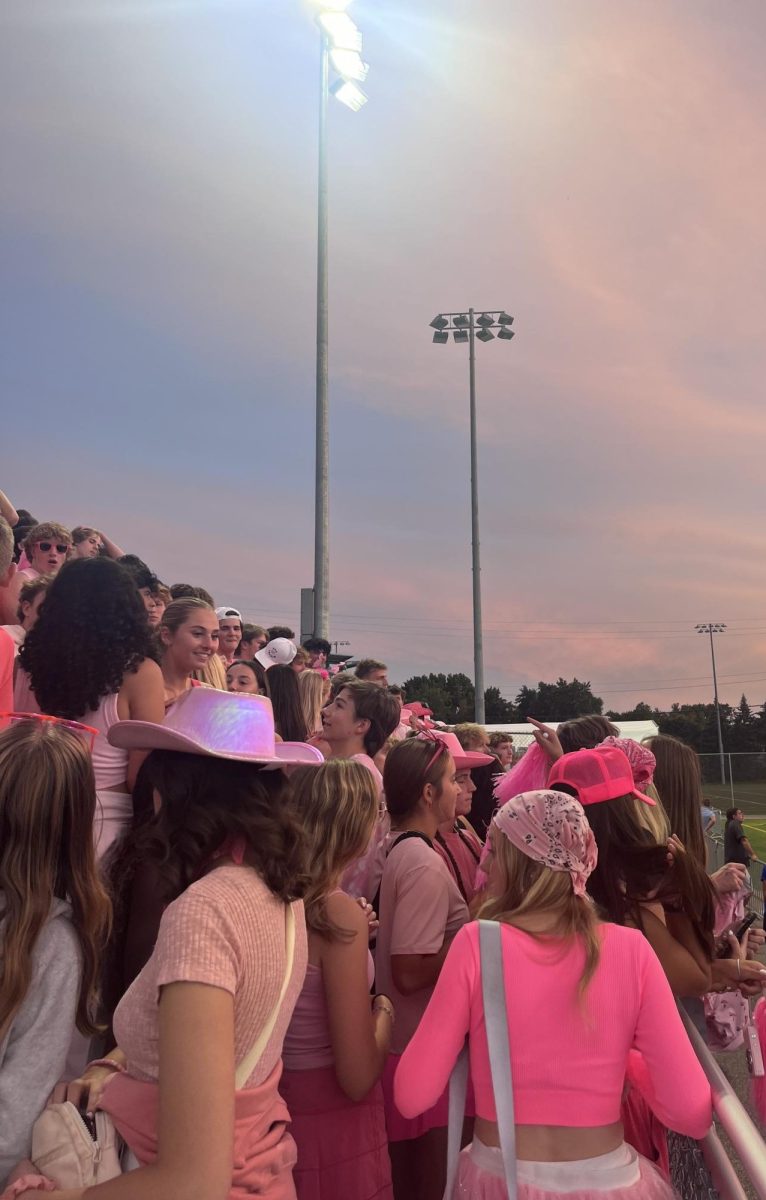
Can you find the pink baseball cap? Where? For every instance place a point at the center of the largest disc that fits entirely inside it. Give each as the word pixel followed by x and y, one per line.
pixel 218 724
pixel 465 760
pixel 597 775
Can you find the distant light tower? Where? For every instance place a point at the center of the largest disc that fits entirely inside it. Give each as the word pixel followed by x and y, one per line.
pixel 340 48
pixel 711 628
pixel 463 325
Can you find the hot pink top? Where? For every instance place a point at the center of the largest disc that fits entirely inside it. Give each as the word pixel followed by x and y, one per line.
pixel 226 930
pixel 307 1041
pixel 568 1059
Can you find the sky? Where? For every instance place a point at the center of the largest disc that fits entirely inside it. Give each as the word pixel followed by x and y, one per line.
pixel 597 169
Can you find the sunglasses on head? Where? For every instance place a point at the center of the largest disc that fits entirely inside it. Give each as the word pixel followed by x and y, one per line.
pixel 61 547
pixel 441 746
pixel 87 732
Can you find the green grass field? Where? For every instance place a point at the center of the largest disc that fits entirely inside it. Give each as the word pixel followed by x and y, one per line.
pixel 751 796
pixel 756 832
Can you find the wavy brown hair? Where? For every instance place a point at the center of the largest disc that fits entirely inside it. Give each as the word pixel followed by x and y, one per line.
pixel 337 805
pixel 525 887
pixel 47 808
pixel 205 803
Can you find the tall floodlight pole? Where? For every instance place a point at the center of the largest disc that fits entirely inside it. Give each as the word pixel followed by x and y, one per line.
pixel 710 628
pixel 340 49
pixel 463 327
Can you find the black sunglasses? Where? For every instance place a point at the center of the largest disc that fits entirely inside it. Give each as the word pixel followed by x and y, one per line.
pixel 45 547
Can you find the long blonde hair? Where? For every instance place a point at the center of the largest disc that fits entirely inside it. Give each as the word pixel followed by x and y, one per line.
pixel 337 804
pixel 213 673
pixel 527 887
pixel 311 686
pixel 47 808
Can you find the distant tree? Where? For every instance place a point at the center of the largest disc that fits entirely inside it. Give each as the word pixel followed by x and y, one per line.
pixel 498 710
pixel 450 697
pixel 558 701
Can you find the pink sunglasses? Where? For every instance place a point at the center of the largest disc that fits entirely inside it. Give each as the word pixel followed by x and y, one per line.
pixel 85 731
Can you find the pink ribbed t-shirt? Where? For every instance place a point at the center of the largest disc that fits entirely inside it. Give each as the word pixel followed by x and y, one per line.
pixel 568 1058
pixel 227 930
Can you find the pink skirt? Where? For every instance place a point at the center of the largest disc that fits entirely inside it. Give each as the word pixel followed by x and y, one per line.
pixel 342 1143
pixel 403 1129
pixel 621 1175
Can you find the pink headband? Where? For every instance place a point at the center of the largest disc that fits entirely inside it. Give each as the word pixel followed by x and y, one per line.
pixel 642 761
pixel 551 828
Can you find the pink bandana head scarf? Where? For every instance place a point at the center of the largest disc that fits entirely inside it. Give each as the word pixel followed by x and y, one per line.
pixel 551 828
pixel 642 761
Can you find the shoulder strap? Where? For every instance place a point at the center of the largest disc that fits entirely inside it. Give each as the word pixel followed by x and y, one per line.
pixel 496 1021
pixel 410 833
pixel 248 1065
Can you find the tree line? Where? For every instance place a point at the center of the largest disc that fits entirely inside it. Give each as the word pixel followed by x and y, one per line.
pixel 452 699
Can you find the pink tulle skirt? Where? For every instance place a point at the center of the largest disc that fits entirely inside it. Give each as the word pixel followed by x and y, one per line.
pixel 621 1175
pixel 342 1143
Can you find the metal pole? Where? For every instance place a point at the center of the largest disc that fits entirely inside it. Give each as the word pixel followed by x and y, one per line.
pixel 321 499
pixel 717 707
pixel 478 649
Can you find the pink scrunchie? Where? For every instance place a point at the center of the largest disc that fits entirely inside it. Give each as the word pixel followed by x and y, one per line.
pixel 551 828
pixel 27 1183
pixel 642 761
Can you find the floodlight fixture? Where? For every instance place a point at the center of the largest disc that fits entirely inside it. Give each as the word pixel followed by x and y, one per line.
pixel 441 336
pixel 349 64
pixel 485 335
pixel 439 322
pixel 461 321
pixel 504 319
pixel 349 94
pixel 485 320
pixel 460 335
pixel 341 31
pixel 505 334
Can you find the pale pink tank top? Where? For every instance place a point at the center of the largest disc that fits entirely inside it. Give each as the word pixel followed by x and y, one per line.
pixel 307 1042
pixel 110 765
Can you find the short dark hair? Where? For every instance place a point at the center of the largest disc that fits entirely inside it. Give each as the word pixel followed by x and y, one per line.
pixel 250 631
pixel 731 813
pixel 142 576
pixel 275 631
pixel 376 705
pixel 366 666
pixel 396 689
pixel 317 645
pixel 181 591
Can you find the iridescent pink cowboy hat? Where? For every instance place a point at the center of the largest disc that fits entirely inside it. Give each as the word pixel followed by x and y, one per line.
pixel 219 724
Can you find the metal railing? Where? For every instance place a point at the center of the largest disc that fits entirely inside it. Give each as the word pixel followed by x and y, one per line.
pixel 730 1114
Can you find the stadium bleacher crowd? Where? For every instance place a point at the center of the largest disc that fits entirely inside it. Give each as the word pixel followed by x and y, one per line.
pixel 252 909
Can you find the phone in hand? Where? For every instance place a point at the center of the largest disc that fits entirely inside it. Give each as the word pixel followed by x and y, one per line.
pixel 723 949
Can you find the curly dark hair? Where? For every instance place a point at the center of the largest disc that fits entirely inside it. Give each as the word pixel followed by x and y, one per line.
pixel 91 631
pixel 205 802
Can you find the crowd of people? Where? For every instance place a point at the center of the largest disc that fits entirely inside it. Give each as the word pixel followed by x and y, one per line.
pixel 250 907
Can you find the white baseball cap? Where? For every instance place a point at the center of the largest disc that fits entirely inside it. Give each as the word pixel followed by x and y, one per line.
pixel 223 613
pixel 278 652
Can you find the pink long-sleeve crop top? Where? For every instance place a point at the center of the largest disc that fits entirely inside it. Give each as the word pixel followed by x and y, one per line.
pixel 568 1055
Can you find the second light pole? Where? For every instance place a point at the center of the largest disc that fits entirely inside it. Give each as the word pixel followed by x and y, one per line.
pixel 466 327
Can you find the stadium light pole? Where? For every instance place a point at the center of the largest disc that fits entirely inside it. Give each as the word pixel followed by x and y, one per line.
pixel 710 628
pixel 463 327
pixel 340 55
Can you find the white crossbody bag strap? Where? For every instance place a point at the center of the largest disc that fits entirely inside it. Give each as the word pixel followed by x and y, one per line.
pixel 248 1065
pixel 496 1020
